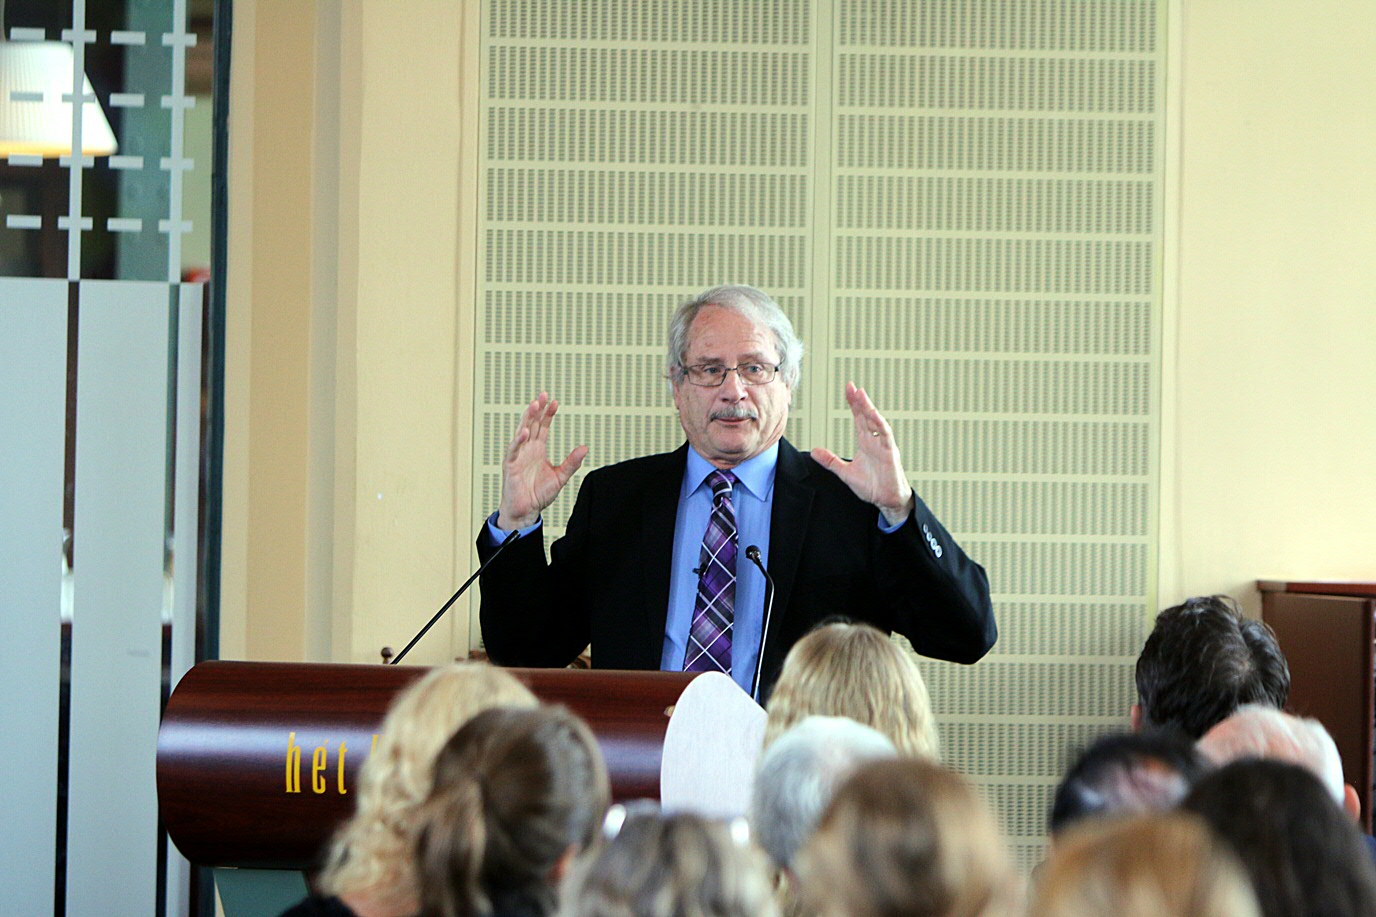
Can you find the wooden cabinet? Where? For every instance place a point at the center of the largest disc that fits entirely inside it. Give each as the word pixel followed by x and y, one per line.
pixel 1326 631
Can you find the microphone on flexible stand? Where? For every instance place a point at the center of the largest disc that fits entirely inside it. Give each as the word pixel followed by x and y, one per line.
pixel 753 553
pixel 455 597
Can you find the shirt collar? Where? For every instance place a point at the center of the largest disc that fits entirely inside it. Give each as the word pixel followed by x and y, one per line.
pixel 756 474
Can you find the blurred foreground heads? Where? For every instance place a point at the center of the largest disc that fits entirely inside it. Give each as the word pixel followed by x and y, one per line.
pixel 795 781
pixel 370 863
pixel 1259 731
pixel 799 774
pixel 518 793
pixel 1126 774
pixel 1305 856
pixel 908 838
pixel 678 865
pixel 1161 865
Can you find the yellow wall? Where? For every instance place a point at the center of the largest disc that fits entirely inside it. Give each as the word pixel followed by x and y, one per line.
pixel 1272 413
pixel 346 370
pixel 410 395
pixel 351 258
pixel 268 335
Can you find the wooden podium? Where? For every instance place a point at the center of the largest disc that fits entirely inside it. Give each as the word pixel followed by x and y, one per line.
pixel 258 762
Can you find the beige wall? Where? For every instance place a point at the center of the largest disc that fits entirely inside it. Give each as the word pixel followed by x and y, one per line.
pixel 347 445
pixel 346 370
pixel 1271 410
pixel 268 335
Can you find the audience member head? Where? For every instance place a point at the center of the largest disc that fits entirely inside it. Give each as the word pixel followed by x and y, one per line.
pixel 1257 731
pixel 1202 661
pixel 907 838
pixel 680 865
pixel 370 857
pixel 517 793
pixel 1304 856
pixel 798 775
pixel 1156 865
pixel 1126 773
pixel 855 671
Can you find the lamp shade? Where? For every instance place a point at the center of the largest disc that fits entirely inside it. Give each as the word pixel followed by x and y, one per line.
pixel 34 120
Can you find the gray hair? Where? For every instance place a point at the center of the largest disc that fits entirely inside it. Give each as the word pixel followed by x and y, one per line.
pixel 800 772
pixel 755 305
pixel 1261 731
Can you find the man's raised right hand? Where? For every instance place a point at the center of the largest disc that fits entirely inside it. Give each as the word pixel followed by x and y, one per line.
pixel 530 482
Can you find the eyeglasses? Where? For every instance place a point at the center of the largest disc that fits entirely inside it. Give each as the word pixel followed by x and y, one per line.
pixel 711 375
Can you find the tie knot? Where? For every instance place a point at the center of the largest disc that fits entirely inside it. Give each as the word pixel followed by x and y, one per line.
pixel 721 483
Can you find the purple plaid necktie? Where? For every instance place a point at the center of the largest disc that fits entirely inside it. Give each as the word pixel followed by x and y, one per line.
pixel 709 637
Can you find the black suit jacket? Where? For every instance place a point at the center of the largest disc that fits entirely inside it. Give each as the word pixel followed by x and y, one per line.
pixel 607 580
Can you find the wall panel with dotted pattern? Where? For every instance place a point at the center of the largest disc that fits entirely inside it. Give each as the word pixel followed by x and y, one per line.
pixel 957 201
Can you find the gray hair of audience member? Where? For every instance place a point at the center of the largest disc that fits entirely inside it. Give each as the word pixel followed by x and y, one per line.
pixel 679 865
pixel 1202 660
pixel 755 305
pixel 908 838
pixel 798 774
pixel 1155 865
pixel 1305 857
pixel 1126 773
pixel 1258 731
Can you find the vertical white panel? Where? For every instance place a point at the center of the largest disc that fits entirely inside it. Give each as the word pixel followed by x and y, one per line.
pixel 119 545
pixel 33 359
pixel 186 519
pixel 186 512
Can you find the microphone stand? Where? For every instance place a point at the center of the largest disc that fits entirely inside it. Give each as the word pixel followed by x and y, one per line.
pixel 455 597
pixel 753 553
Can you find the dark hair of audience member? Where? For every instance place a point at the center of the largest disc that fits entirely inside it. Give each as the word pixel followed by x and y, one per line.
pixel 1203 660
pixel 516 794
pixel 1304 855
pixel 1163 864
pixel 679 865
pixel 907 837
pixel 1126 773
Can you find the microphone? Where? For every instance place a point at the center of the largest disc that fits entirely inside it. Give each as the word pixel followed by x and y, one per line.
pixel 753 553
pixel 512 536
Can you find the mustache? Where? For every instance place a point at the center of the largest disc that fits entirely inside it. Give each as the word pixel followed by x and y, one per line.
pixel 735 412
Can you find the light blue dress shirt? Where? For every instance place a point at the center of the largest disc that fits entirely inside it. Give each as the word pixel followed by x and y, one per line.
pixel 753 499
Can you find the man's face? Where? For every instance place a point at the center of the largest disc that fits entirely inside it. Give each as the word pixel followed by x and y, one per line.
pixel 735 421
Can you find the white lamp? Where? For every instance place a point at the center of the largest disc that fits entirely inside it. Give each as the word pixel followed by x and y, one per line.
pixel 34 119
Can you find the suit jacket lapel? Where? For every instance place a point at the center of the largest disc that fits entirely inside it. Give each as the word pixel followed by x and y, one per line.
pixel 787 529
pixel 658 510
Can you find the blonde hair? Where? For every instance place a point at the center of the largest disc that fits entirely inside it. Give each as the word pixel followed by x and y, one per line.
pixel 371 854
pixel 515 791
pixel 1159 865
pixel 680 865
pixel 855 671
pixel 908 838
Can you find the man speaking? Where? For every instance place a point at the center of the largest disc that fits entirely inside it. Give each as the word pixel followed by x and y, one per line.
pixel 657 568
